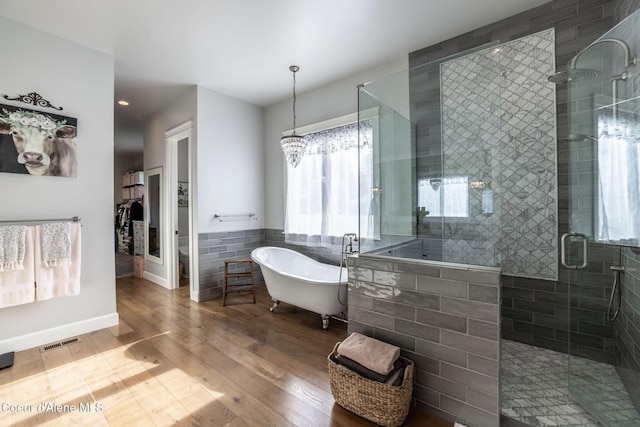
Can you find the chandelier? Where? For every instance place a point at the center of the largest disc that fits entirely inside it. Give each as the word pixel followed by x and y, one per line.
pixel 294 146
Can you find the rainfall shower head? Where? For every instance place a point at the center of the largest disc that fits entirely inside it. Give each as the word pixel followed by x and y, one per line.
pixel 576 74
pixel 628 59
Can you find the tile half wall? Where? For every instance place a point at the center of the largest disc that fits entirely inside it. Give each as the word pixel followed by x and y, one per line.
pixel 444 317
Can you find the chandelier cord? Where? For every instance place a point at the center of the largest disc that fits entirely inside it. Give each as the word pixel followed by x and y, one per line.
pixel 294 102
pixel 293 145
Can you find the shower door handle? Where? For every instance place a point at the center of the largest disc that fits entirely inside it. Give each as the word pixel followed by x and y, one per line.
pixel 563 247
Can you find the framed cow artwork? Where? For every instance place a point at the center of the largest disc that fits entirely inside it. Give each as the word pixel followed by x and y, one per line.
pixel 37 143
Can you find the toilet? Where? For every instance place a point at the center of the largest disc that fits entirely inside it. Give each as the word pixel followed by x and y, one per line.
pixel 184 259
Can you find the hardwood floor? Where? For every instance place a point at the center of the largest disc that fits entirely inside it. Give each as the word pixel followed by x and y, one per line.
pixel 172 361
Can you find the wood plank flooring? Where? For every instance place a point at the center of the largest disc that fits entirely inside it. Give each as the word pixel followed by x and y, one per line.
pixel 172 361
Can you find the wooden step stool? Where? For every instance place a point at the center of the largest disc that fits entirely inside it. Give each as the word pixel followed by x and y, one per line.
pixel 228 288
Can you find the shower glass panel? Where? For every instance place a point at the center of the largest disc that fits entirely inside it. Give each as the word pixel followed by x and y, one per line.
pixel 602 146
pixel 387 203
pixel 461 145
pixel 435 161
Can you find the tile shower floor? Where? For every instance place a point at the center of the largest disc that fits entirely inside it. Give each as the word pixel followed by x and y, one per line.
pixel 535 389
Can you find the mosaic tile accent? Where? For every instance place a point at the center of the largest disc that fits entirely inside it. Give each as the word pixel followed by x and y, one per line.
pixel 504 91
pixel 535 388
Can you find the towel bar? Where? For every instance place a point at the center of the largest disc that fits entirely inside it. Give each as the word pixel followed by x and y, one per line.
pixel 23 221
pixel 237 217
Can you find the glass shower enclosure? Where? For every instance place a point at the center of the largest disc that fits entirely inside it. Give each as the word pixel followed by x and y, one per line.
pixel 602 147
pixel 464 160
pixel 429 198
pixel 467 161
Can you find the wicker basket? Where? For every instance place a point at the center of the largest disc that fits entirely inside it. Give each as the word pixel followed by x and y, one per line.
pixel 381 403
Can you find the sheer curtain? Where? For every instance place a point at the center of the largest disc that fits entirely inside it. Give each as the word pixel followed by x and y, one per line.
pixel 444 197
pixel 322 201
pixel 619 178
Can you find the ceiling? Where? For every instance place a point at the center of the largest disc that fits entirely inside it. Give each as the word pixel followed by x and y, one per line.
pixel 243 48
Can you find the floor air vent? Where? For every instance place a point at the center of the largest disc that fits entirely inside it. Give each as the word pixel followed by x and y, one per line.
pixel 53 346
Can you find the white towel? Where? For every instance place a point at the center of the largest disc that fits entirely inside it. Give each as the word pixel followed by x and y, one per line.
pixel 12 241
pixel 62 279
pixel 18 286
pixel 56 243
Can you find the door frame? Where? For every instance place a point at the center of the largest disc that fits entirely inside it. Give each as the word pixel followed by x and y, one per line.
pixel 172 137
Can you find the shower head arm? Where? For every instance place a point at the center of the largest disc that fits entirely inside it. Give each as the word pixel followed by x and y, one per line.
pixel 628 59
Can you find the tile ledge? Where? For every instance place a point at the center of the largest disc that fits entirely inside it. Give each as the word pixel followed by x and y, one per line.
pixel 439 264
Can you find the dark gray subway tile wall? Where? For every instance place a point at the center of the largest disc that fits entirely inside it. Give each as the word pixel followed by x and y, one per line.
pixel 446 319
pixel 215 248
pixel 626 331
pixel 533 311
pixel 275 237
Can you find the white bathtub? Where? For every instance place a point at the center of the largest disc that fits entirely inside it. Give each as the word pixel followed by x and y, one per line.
pixel 298 280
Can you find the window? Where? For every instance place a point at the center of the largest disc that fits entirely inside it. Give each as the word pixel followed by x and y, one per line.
pixel 444 197
pixel 618 179
pixel 322 199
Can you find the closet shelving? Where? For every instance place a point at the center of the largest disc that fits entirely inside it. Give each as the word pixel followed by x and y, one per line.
pixel 133 185
pixel 129 226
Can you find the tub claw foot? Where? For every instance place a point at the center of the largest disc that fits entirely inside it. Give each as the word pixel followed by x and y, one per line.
pixel 325 321
pixel 275 304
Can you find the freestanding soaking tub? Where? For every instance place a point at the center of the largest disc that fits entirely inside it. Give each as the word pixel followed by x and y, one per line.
pixel 298 280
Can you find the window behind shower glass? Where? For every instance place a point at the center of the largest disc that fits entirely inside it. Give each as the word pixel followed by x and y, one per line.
pixel 322 197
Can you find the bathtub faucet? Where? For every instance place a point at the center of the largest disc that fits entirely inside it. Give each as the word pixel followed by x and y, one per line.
pixel 348 248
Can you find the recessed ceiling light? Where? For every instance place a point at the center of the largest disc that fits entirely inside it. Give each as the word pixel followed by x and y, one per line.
pixel 123 102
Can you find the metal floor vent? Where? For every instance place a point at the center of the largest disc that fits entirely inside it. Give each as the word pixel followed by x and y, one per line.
pixel 53 346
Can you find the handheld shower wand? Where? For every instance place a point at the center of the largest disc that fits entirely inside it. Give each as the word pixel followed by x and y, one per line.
pixel 615 300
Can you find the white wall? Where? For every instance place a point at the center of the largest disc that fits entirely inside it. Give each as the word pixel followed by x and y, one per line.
pixel 227 140
pixel 230 162
pixel 180 111
pixel 334 100
pixel 81 81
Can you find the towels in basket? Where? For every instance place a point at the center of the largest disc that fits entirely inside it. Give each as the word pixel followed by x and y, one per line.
pixel 369 378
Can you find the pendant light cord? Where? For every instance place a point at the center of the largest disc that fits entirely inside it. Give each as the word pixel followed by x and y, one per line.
pixel 294 98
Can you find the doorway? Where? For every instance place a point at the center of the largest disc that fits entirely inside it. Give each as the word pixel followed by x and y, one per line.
pixel 181 226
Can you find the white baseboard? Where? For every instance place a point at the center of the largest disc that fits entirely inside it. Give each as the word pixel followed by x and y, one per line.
pixel 46 336
pixel 156 279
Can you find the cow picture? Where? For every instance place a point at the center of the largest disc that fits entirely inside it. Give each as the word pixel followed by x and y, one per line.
pixel 37 143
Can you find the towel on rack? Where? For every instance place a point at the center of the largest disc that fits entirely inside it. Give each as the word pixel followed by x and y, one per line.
pixel 56 243
pixel 18 286
pixel 12 241
pixel 369 352
pixel 61 279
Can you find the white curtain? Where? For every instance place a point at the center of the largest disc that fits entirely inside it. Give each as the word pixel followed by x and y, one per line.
pixel 619 179
pixel 322 200
pixel 447 197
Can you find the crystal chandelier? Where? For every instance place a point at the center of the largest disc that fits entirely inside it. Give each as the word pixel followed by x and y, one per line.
pixel 294 146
